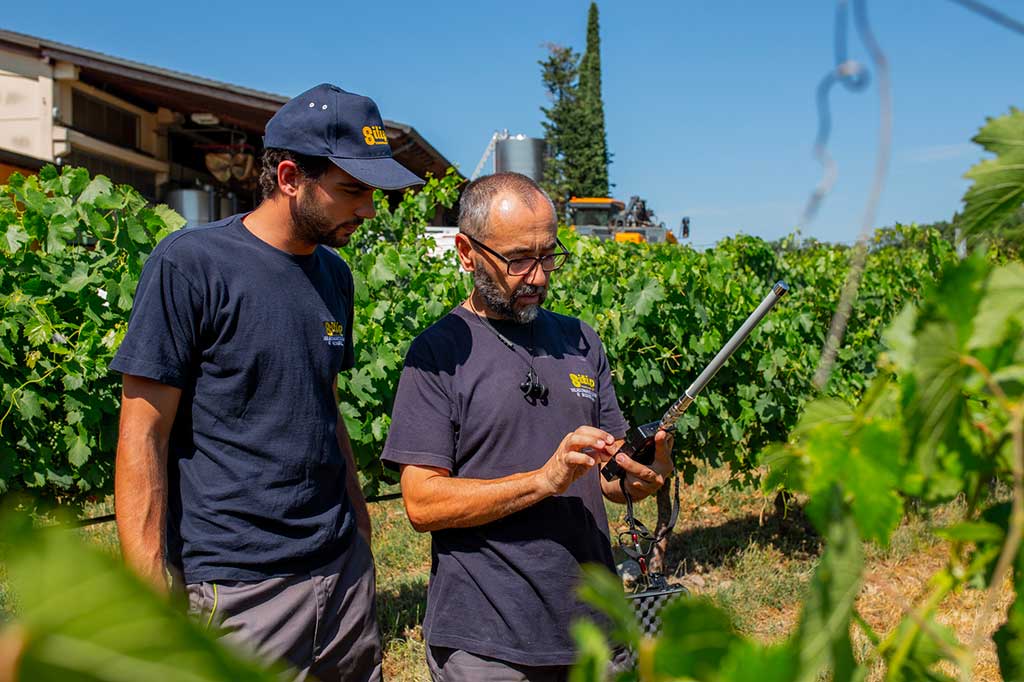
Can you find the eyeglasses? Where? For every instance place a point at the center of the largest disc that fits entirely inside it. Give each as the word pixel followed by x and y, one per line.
pixel 519 267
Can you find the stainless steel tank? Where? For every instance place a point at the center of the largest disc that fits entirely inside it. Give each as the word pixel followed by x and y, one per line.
pixel 520 154
pixel 228 205
pixel 192 204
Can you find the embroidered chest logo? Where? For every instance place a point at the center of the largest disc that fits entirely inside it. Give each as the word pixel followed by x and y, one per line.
pixel 374 135
pixel 583 386
pixel 334 333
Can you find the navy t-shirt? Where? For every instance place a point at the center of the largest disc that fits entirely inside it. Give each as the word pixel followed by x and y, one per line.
pixel 254 337
pixel 507 589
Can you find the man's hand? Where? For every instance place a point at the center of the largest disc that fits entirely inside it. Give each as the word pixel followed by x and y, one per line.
pixel 576 454
pixel 642 481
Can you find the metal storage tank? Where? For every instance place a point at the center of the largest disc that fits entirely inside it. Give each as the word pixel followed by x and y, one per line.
pixel 195 205
pixel 520 154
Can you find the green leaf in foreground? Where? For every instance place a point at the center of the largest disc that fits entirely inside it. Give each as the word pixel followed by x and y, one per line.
pixel 1009 638
pixel 695 637
pixel 603 590
pixel 592 653
pixel 84 617
pixel 823 638
pixel 998 188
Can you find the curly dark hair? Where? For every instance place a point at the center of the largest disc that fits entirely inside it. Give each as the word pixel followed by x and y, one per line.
pixel 311 167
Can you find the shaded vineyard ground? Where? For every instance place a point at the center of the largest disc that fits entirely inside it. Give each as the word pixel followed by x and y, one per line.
pixel 729 545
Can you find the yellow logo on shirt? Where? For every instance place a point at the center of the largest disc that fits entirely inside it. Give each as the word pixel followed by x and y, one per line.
pixel 334 333
pixel 374 135
pixel 582 381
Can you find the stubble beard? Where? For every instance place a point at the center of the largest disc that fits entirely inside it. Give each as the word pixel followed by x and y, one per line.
pixel 313 225
pixel 504 306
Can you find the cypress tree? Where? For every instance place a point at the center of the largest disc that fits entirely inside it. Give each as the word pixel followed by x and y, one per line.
pixel 563 127
pixel 592 155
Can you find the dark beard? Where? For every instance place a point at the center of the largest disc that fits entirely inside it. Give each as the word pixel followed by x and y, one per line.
pixel 497 303
pixel 313 225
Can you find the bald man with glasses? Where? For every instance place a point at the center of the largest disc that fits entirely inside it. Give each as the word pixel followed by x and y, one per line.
pixel 504 413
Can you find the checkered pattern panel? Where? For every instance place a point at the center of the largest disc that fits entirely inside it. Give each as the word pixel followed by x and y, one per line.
pixel 647 606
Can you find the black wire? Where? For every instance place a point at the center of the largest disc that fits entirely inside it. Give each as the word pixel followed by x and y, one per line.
pixel 992 14
pixel 96 520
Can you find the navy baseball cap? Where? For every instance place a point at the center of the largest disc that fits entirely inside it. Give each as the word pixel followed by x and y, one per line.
pixel 344 127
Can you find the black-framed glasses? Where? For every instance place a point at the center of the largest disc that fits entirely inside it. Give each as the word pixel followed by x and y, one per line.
pixel 518 267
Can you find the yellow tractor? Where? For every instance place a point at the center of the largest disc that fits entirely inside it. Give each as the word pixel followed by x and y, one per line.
pixel 607 218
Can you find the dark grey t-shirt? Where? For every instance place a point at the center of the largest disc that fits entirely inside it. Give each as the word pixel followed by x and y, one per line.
pixel 254 337
pixel 507 589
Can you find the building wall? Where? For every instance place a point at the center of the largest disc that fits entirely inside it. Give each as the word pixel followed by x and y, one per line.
pixel 6 169
pixel 37 116
pixel 26 102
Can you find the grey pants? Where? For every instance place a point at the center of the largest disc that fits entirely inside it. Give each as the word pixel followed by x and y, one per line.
pixel 324 623
pixel 456 665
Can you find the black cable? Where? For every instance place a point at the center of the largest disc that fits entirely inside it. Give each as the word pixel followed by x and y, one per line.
pixel 107 518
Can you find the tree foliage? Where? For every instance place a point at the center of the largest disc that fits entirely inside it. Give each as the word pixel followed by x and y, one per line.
pixel 574 131
pixel 563 127
pixel 593 157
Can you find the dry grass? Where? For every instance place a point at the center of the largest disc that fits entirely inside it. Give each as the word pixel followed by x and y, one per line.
pixel 728 544
pixel 757 566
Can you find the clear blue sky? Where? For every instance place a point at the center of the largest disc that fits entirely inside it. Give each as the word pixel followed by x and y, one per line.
pixel 709 105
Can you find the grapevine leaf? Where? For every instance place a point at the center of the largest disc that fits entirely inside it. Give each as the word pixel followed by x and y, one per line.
pixel 84 612
pixel 602 589
pixel 99 186
pixel 1003 301
pixel 80 276
pixel 785 469
pixel 137 230
pixel 823 636
pixel 170 217
pixel 1009 638
pixel 938 373
pixel 381 274
pixel 73 381
pixel 592 653
pixel 60 232
pixel 998 188
pixel 99 226
pixel 930 642
pixel 16 237
pixel 79 453
pixel 695 636
pixel 642 302
pixel 1011 379
pixel 74 180
pixel 972 531
pixel 864 463
pixel 28 404
pixel 749 662
pixel 38 331
pixel 899 338
pixel 823 412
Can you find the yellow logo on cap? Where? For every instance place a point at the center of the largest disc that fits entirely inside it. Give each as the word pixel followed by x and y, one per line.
pixel 374 135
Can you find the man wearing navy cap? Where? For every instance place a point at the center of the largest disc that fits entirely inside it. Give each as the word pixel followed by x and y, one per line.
pixel 233 465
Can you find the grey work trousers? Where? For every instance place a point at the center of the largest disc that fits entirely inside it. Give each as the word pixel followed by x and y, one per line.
pixel 456 665
pixel 324 623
